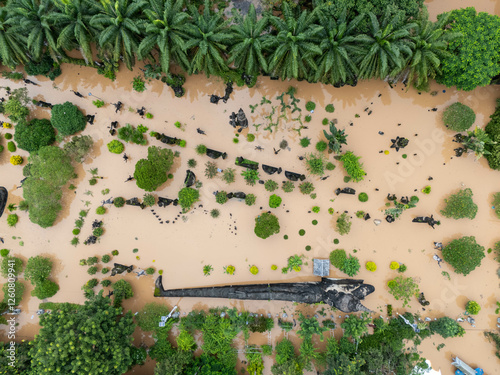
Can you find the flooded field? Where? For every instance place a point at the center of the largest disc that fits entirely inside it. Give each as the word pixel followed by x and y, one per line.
pixel 184 243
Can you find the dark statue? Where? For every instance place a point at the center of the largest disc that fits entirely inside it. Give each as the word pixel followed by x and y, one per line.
pixel 164 202
pixel 120 268
pixel 346 190
pixel 294 176
pixel 190 178
pixel 271 170
pixel 3 199
pixel 399 143
pixel 427 219
pixel 343 294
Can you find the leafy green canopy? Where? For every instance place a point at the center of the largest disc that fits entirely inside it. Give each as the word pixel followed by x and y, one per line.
pixel 460 205
pixel 266 225
pixel 458 117
pixel 94 339
pixel 67 118
pixel 475 55
pixel 35 134
pixel 464 254
pixel 493 131
pixel 150 173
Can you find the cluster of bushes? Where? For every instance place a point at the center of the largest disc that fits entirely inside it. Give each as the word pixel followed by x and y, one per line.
pixel 460 205
pixel 128 133
pixel 37 272
pixel 492 129
pixel 347 264
pixel 266 225
pixel 150 173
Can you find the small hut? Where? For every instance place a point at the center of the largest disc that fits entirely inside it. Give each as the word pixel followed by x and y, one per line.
pixel 321 267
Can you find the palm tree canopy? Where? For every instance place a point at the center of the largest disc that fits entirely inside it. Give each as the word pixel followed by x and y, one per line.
pixel 12 44
pixel 249 42
pixel 163 29
pixel 340 44
pixel 72 19
pixel 386 48
pixel 208 38
pixel 119 25
pixel 31 19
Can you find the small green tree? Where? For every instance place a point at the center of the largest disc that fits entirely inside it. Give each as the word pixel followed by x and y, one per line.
pixel 67 118
pixel 356 327
pixel 337 258
pixel 460 205
pixel 30 136
pixel 351 266
pixel 122 290
pixel 464 254
pixel 11 263
pixel 115 146
pixel 343 224
pixel 37 269
pixel 187 196
pixel 45 289
pixel 15 107
pixel 446 327
pixel 266 225
pixel 403 288
pixel 149 200
pixel 472 307
pixel 79 147
pixel 221 197
pixel 458 117
pixel 315 164
pixel 18 291
pixel 352 166
pixel 152 172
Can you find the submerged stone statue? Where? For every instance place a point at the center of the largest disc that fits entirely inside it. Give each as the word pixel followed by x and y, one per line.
pixel 271 170
pixel 120 268
pixel 346 190
pixel 294 176
pixel 343 294
pixel 190 178
pixel 427 219
pixel 3 199
pixel 164 202
pixel 399 143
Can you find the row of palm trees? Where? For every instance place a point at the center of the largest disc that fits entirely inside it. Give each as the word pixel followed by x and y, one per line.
pixel 297 44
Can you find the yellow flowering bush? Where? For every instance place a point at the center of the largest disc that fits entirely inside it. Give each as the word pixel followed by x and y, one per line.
pixel 16 160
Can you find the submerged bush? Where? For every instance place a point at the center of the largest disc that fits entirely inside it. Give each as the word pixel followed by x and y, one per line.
pixel 337 258
pixel 266 225
pixel 343 225
pixel 472 307
pixel 352 166
pixel 67 118
pixel 187 196
pixel 30 136
pixel 274 201
pixel 116 147
pixel 152 172
pixel 458 117
pixel 460 205
pixel 464 254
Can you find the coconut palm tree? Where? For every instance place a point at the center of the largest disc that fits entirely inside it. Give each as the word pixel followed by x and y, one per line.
pixel 73 22
pixel 12 50
pixel 30 19
pixel 247 52
pixel 386 48
pixel 118 24
pixel 340 44
pixel 208 38
pixel 430 47
pixel 164 25
pixel 295 45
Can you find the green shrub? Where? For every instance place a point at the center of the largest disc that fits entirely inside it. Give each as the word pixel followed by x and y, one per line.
pixel 211 169
pixel 496 204
pixel 315 164
pixel 116 147
pixel 330 166
pixel 76 232
pixel 45 289
pixel 192 163
pixel 446 327
pixel 321 146
pixel 67 118
pixel 235 140
pixel 343 225
pixel 115 253
pixel 458 117
pixel 9 262
pixel 288 186
pixel 330 108
pixel 315 209
pixel 266 225
pixel 324 121
pixel 92 270
pixel 105 258
pixel 221 197
pixel 98 232
pixel 78 148
pixel 92 260
pixel 12 220
pixel 11 146
pixel 403 288
pixel 304 142
pixel 138 84
pixel 250 176
pixel 128 133
pixel 463 254
pixel 338 258
pixel 308 118
pixel 98 103
pixel 270 185
pixel 302 232
pixel 201 149
pixel 472 307
pixel 363 197
pixel 274 201
pixel 352 166
pixel 215 213
pixel 119 202
pixel 12 298
pixel 149 200
pixel 105 283
pixel 187 196
pixel 228 175
pixel 101 210
pixel 460 205
pixel 151 173
pixel 250 199
pixel 310 106
pixel 150 271
pixel 4 252
pixel 351 266
pixel 306 187
pixel 250 137
pixel 30 136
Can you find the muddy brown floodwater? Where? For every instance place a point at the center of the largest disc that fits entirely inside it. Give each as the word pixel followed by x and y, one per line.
pixel 181 247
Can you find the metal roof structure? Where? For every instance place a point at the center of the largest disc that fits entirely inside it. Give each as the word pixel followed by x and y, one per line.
pixel 321 267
